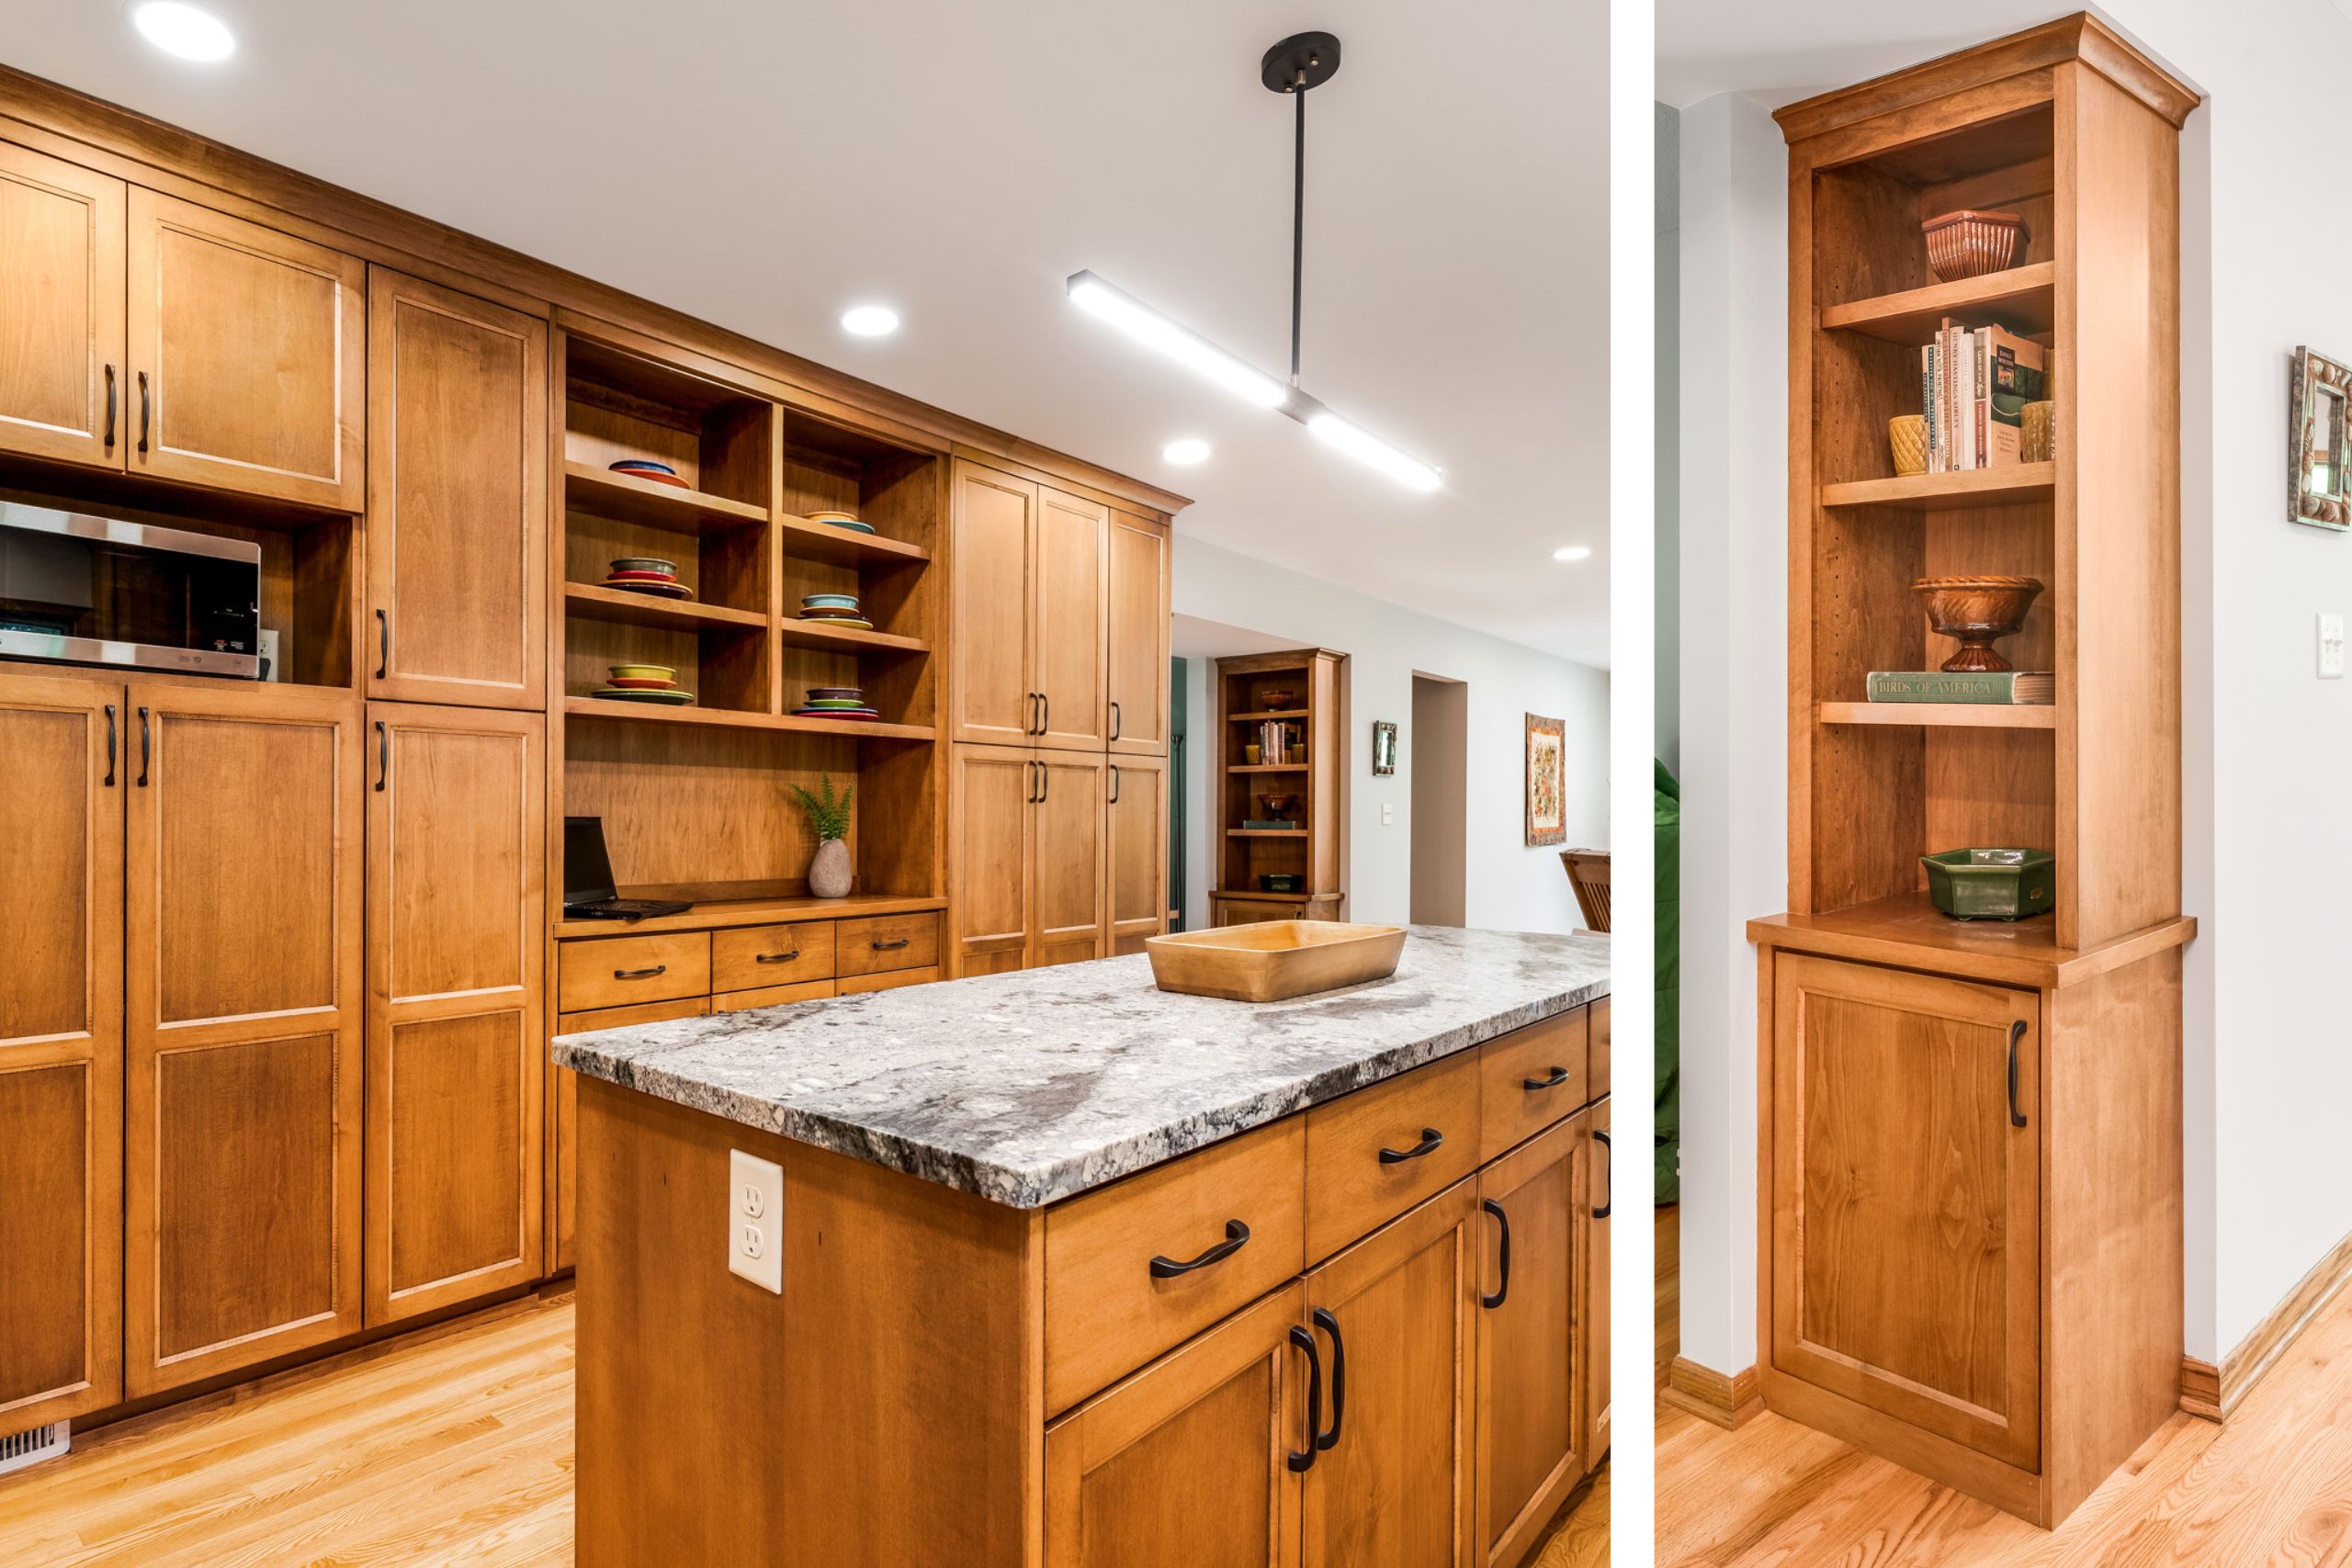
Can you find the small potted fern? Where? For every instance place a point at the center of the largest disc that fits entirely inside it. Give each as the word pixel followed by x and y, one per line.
pixel 829 872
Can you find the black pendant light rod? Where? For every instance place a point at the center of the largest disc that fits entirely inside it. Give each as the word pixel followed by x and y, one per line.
pixel 1295 65
pixel 1297 227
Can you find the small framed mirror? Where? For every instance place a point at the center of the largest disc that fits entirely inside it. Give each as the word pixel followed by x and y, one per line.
pixel 1384 746
pixel 2319 491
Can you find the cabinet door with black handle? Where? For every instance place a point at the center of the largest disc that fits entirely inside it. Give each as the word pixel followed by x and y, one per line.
pixel 62 373
pixel 1135 851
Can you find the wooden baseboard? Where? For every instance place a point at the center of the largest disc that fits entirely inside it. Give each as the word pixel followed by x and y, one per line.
pixel 1729 1401
pixel 2200 1388
pixel 2214 1395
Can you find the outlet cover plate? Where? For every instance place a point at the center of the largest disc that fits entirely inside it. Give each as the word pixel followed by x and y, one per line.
pixel 755 1220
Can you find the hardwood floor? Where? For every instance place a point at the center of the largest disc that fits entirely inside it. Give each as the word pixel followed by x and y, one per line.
pixel 2273 1486
pixel 452 1447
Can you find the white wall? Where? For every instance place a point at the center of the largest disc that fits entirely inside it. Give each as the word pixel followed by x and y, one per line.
pixel 1508 886
pixel 1667 483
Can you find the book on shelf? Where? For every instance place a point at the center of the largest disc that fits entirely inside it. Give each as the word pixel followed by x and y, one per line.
pixel 2018 688
pixel 1268 825
pixel 1974 385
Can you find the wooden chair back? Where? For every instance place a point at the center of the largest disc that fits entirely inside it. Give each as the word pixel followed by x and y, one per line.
pixel 1589 875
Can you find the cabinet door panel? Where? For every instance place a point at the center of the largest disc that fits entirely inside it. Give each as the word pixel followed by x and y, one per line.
pixel 1906 1206
pixel 1530 1343
pixel 61 1049
pixel 1184 1464
pixel 1599 1185
pixel 1137 656
pixel 253 350
pixel 61 309
pixel 457 497
pixel 994 543
pixel 456 856
pixel 242 921
pixel 1136 854
pixel 1066 919
pixel 1068 620
pixel 1395 1486
pixel 991 789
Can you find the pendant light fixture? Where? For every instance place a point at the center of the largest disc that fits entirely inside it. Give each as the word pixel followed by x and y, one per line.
pixel 1296 66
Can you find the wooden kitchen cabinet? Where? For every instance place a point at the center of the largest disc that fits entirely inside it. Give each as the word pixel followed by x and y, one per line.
pixel 1600 1187
pixel 60 1048
pixel 457 498
pixel 1136 635
pixel 1066 917
pixel 247 356
pixel 1069 621
pixel 244 986
pixel 996 525
pixel 457 923
pixel 1535 1338
pixel 1135 854
pixel 1028 858
pixel 62 230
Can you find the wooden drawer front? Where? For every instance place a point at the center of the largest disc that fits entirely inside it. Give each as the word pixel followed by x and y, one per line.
pixel 1599 1085
pixel 1349 1188
pixel 1530 1079
pixel 887 942
pixel 626 1018
pixel 764 956
pixel 888 981
pixel 1107 1313
pixel 771 996
pixel 622 971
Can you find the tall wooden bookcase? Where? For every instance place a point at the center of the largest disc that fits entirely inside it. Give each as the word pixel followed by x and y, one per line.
pixel 1305 695
pixel 1970 1204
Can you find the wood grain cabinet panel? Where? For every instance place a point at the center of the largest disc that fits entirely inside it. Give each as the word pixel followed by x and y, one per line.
pixel 1907 1202
pixel 1600 1187
pixel 1066 913
pixel 1374 1154
pixel 879 943
pixel 1396 1483
pixel 1530 1079
pixel 213 400
pixel 995 532
pixel 990 795
pixel 1136 641
pixel 457 497
pixel 62 230
pixel 623 971
pixel 563 1120
pixel 758 957
pixel 60 1048
pixel 457 917
pixel 1185 1464
pixel 1135 853
pixel 244 986
pixel 1069 621
pixel 1532 1341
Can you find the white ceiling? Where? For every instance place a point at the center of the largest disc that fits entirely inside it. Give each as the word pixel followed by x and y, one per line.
pixel 763 165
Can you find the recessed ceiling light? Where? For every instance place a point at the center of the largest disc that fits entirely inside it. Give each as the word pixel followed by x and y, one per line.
pixel 870 321
pixel 1572 552
pixel 1186 450
pixel 189 32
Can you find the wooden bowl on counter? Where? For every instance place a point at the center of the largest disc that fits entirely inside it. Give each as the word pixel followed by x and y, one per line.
pixel 1977 611
pixel 1273 960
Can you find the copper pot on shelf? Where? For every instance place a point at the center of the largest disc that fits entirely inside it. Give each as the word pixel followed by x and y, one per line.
pixel 1978 611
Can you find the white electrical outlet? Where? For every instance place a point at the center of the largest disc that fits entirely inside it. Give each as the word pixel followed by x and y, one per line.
pixel 755 1220
pixel 2330 647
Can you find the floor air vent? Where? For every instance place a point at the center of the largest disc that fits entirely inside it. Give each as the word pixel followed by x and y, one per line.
pixel 19 1449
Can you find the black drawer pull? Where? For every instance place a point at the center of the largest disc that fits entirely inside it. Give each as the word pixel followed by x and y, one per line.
pixel 640 974
pixel 383 755
pixel 775 957
pixel 1306 1341
pixel 146 748
pixel 109 779
pixel 1559 1075
pixel 1432 1140
pixel 2016 1032
pixel 892 946
pixel 1608 1176
pixel 1330 1324
pixel 1237 1235
pixel 1502 1285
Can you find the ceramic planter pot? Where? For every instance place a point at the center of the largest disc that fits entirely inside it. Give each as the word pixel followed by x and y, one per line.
pixel 1977 611
pixel 829 871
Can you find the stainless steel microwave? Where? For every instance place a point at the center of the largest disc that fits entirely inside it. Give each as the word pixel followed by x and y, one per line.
pixel 85 590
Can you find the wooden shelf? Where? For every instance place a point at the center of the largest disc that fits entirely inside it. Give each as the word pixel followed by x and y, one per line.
pixel 1269 712
pixel 598 603
pixel 1908 932
pixel 653 504
pixel 1266 833
pixel 2023 299
pixel 843 547
pixel 1948 492
pixel 1948 715
pixel 1266 767
pixel 727 718
pixel 719 914
pixel 797 633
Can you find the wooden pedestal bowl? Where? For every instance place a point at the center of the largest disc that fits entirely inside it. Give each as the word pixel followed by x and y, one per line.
pixel 1977 611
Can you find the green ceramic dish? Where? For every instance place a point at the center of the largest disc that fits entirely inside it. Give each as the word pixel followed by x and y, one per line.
pixel 1280 882
pixel 1992 885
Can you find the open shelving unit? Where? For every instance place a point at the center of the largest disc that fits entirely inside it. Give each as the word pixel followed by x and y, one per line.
pixel 1303 694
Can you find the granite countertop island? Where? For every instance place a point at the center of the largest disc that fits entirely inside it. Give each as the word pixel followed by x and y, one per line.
pixel 1030 1088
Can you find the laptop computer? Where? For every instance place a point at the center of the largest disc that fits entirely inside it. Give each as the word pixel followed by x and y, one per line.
pixel 588 878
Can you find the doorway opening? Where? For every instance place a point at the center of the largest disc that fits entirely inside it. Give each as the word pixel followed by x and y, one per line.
pixel 1438 764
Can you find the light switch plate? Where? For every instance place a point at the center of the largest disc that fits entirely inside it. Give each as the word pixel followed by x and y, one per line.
pixel 1387 813
pixel 2330 647
pixel 755 1220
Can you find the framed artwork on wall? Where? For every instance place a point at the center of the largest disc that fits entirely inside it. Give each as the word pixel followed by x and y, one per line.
pixel 1547 781
pixel 2319 439
pixel 1384 746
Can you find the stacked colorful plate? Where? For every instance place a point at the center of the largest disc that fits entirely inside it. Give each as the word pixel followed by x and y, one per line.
pixel 835 610
pixel 841 520
pixel 835 701
pixel 655 683
pixel 647 469
pixel 648 574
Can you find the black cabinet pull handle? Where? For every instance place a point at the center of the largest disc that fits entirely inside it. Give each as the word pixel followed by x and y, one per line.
pixel 110 441
pixel 775 957
pixel 1044 780
pixel 383 644
pixel 891 946
pixel 145 411
pixel 1299 1336
pixel 1236 1237
pixel 146 748
pixel 1502 1286
pixel 1032 714
pixel 1116 723
pixel 1115 784
pixel 109 779
pixel 1029 782
pixel 1432 1140
pixel 1045 712
pixel 1330 1324
pixel 383 756
pixel 640 974
pixel 1559 1075
pixel 2016 1032
pixel 1608 1176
